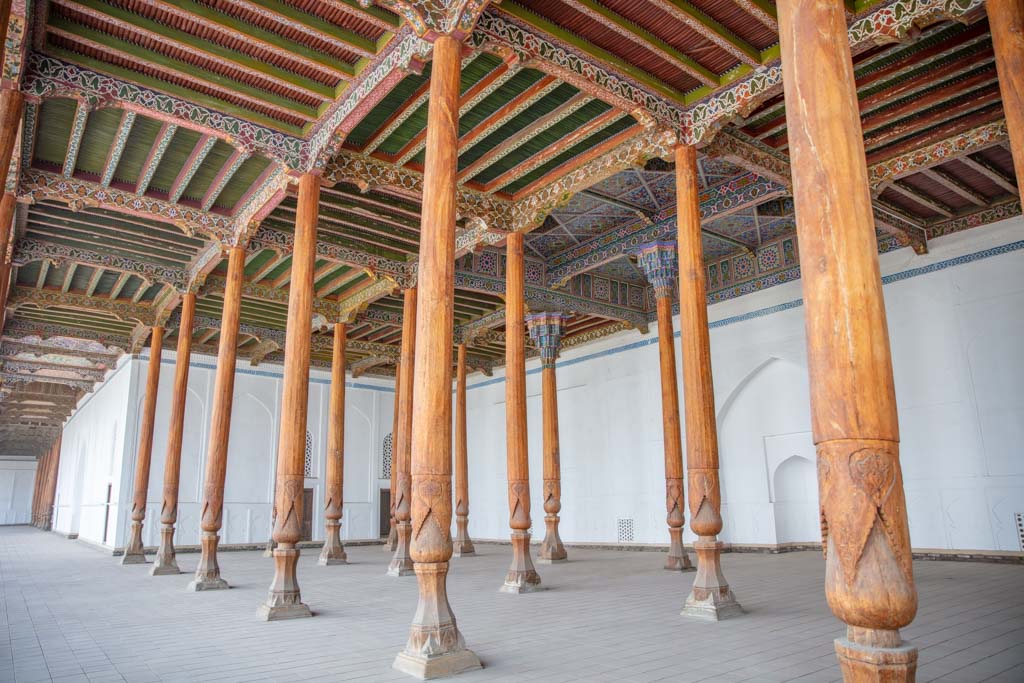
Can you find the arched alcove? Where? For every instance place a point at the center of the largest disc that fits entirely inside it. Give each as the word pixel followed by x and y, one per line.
pixel 795 497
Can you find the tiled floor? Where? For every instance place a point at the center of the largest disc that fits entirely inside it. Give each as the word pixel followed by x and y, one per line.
pixel 71 613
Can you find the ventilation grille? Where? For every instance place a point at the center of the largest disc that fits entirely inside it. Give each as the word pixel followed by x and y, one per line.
pixel 385 461
pixel 307 466
pixel 625 527
pixel 1020 528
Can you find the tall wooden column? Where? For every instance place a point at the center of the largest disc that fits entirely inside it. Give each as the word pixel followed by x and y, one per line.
pixel 463 544
pixel 166 562
pixel 50 490
pixel 1006 21
pixel 401 453
pixel 869 580
pixel 521 577
pixel 660 264
pixel 435 646
pixel 37 490
pixel 133 552
pixel 711 597
pixel 393 532
pixel 208 571
pixel 546 330
pixel 333 552
pixel 12 103
pixel 284 600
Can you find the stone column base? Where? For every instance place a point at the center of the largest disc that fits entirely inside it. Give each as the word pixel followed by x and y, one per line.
pixel 165 563
pixel 873 664
pixel 208 571
pixel 284 601
pixel 133 552
pixel 401 563
pixel 711 598
pixel 678 560
pixel 442 666
pixel 333 551
pixel 216 584
pixel 551 549
pixel 521 577
pixel 462 545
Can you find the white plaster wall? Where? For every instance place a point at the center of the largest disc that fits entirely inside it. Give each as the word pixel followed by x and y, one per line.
pixel 955 335
pixel 17 482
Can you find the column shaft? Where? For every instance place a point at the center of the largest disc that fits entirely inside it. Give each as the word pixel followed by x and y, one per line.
pixel 208 571
pixel 711 597
pixel 12 103
pixel 1006 21
pixel 522 577
pixel 435 646
pixel 333 552
pixel 284 600
pixel 393 531
pixel 166 562
pixel 401 562
pixel 869 580
pixel 463 544
pixel 133 552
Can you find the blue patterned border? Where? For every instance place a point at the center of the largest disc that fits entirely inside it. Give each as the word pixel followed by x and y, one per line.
pixel 778 308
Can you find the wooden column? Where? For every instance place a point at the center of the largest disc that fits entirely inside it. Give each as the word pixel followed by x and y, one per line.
pixel 1006 21
pixel 660 263
pixel 284 600
pixel 333 552
pixel 50 486
pixel 521 577
pixel 37 490
pixel 401 453
pixel 208 571
pixel 166 563
pixel 463 544
pixel 133 552
pixel 546 330
pixel 393 532
pixel 435 646
pixel 12 103
pixel 869 580
pixel 711 597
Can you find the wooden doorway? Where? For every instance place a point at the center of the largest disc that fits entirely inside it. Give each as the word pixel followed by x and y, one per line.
pixel 385 512
pixel 307 514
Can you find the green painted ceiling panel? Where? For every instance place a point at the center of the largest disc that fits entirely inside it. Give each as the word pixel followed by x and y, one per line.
pixel 177 153
pixel 258 261
pixel 80 280
pixel 136 150
pixel 247 174
pixel 106 283
pixel 214 161
pixel 544 140
pixel 28 273
pixel 496 100
pixel 151 292
pixel 391 102
pixel 56 117
pixel 100 129
pixel 556 98
pixel 130 287
pixel 580 148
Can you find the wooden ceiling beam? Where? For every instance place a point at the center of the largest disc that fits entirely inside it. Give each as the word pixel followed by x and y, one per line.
pixel 955 186
pixel 391 204
pixel 67 233
pixel 115 291
pixel 937 126
pixel 75 138
pixel 268 267
pixel 518 104
pixel 762 10
pixel 338 281
pixel 709 29
pixel 398 117
pixel 924 123
pixel 908 86
pixel 204 144
pixel 66 285
pixel 922 102
pixel 312 26
pixel 124 129
pixel 94 281
pixel 44 269
pixel 922 199
pixel 155 156
pixel 995 175
pixel 352 205
pixel 223 177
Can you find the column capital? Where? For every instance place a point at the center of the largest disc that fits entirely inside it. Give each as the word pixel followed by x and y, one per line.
pixel 660 263
pixel 431 20
pixel 546 330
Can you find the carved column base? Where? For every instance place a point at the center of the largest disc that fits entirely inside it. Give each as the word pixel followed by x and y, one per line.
pixel 208 571
pixel 392 543
pixel 521 577
pixel 711 599
pixel 435 648
pixel 284 601
pixel 133 553
pixel 551 549
pixel 165 562
pixel 677 559
pixel 332 552
pixel 47 522
pixel 876 656
pixel 462 545
pixel 401 563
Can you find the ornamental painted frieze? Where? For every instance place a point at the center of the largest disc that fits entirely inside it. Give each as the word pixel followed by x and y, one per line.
pixel 967 142
pixel 29 249
pixel 45 298
pixel 65 337
pixel 352 306
pixel 431 18
pixel 17 42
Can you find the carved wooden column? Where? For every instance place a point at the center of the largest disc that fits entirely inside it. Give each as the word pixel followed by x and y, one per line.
pixel 711 597
pixel 401 450
pixel 660 264
pixel 1006 21
pixel 165 562
pixel 463 544
pixel 12 102
pixel 37 490
pixel 546 330
pixel 435 647
pixel 393 533
pixel 284 600
pixel 208 571
pixel 869 580
pixel 50 497
pixel 333 552
pixel 521 577
pixel 133 552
